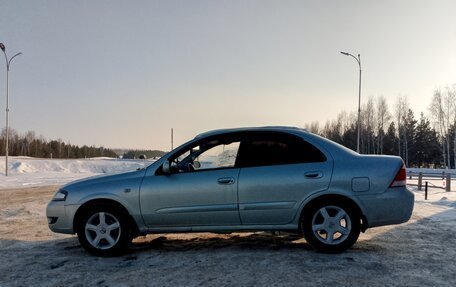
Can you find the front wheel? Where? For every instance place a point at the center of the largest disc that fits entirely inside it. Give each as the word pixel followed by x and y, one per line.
pixel 331 227
pixel 103 230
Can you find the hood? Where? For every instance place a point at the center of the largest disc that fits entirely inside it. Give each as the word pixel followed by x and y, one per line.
pixel 103 179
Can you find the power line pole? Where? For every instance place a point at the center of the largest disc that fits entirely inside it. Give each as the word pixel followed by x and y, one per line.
pixel 172 139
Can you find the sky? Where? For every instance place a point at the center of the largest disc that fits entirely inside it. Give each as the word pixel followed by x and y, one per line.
pixel 121 74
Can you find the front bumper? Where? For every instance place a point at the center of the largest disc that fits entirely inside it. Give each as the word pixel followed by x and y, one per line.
pixel 60 216
pixel 393 206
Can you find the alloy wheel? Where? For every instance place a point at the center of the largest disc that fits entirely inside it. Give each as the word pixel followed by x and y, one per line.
pixel 102 230
pixel 331 225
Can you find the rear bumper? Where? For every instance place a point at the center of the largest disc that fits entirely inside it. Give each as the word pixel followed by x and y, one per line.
pixel 393 206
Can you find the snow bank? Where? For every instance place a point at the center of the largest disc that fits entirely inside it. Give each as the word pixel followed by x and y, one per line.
pixel 440 205
pixel 26 171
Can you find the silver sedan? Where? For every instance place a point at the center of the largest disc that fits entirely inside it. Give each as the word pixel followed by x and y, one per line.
pixel 246 179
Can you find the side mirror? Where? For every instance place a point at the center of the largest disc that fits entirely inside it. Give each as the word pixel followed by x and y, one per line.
pixel 196 164
pixel 166 167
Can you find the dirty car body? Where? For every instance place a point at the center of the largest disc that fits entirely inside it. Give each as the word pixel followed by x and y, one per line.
pixel 245 179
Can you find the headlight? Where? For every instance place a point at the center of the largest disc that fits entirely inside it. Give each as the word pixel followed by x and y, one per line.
pixel 60 195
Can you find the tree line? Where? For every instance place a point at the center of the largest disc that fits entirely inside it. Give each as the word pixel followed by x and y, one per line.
pixel 133 154
pixel 29 144
pixel 426 141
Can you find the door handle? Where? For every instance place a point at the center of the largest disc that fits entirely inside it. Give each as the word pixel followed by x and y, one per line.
pixel 225 180
pixel 313 174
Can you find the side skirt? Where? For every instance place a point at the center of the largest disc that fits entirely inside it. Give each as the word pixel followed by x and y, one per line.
pixel 216 229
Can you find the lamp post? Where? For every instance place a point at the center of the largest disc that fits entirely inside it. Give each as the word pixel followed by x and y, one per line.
pixel 358 59
pixel 8 63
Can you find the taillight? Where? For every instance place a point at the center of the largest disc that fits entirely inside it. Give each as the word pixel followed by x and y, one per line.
pixel 400 179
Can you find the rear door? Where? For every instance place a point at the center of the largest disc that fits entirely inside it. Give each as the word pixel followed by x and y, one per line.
pixel 278 171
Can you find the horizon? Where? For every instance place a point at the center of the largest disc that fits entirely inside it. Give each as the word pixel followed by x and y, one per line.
pixel 122 75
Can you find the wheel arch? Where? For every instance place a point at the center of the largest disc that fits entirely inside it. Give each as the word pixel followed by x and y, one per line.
pixel 338 198
pixel 104 201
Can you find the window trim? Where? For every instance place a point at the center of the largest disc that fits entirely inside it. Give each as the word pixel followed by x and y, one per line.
pixel 242 136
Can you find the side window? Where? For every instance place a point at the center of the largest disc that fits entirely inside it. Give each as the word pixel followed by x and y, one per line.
pixel 207 155
pixel 309 153
pixel 276 149
pixel 220 156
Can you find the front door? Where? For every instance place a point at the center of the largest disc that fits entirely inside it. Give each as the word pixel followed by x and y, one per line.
pixel 201 189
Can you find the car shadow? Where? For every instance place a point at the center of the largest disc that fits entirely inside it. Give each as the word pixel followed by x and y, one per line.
pixel 200 241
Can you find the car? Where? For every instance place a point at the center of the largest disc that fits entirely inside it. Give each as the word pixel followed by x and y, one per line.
pixel 239 180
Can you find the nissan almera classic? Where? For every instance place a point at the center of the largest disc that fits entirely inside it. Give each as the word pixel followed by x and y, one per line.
pixel 245 179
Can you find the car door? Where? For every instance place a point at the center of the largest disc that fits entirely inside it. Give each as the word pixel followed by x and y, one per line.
pixel 200 190
pixel 278 171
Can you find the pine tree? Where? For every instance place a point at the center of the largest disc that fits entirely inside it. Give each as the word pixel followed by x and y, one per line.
pixel 390 141
pixel 427 148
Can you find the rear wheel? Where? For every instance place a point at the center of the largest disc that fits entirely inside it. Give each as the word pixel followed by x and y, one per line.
pixel 331 226
pixel 103 230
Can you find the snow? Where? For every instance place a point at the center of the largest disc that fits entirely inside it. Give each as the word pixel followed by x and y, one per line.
pixel 26 171
pixel 420 252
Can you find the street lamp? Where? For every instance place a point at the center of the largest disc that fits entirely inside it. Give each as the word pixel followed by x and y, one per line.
pixel 358 59
pixel 8 63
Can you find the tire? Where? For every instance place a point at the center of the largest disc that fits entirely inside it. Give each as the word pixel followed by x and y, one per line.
pixel 103 230
pixel 331 226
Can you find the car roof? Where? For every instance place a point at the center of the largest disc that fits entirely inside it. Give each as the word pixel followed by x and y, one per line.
pixel 326 144
pixel 250 129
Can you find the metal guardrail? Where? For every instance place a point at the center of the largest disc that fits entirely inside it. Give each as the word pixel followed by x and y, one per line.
pixel 422 175
pixel 442 175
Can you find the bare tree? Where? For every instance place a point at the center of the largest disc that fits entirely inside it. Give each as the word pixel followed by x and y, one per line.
pixel 400 112
pixel 60 141
pixel 332 130
pixel 13 144
pixel 313 127
pixel 369 121
pixel 452 92
pixel 335 129
pixel 29 138
pixel 383 117
pixel 443 114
